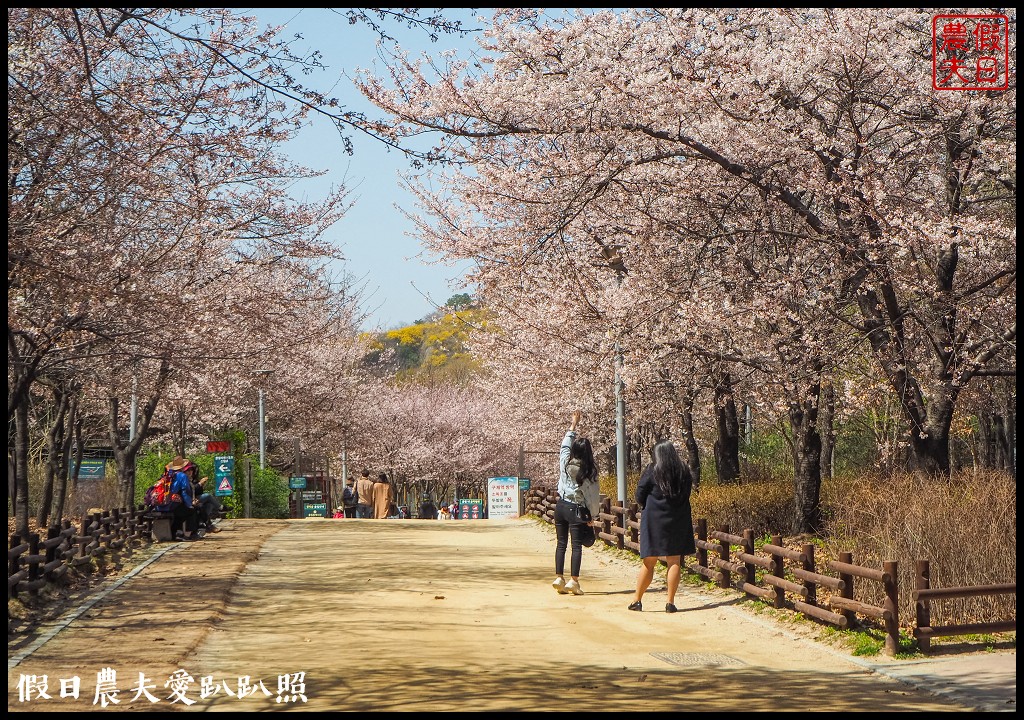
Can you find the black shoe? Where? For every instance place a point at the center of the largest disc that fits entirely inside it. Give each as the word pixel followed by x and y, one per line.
pixel 635 606
pixel 670 608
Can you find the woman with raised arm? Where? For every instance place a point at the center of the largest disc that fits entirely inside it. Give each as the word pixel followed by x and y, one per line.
pixel 579 499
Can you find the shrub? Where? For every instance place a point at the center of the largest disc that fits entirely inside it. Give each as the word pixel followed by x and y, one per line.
pixel 762 506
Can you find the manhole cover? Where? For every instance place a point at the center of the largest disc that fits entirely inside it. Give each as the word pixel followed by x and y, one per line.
pixel 694 659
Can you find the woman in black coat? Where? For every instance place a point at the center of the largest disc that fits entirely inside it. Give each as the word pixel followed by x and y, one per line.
pixel 666 524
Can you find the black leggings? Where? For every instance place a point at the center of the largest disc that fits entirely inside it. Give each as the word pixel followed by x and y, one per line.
pixel 568 524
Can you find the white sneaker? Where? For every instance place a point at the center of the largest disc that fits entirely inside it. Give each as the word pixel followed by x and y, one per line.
pixel 573 587
pixel 559 585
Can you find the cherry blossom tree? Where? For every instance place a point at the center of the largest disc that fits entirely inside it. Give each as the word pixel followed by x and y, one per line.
pixel 581 85
pixel 712 152
pixel 148 200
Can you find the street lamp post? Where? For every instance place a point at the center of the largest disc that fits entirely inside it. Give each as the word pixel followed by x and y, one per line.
pixel 620 428
pixel 263 423
pixel 613 259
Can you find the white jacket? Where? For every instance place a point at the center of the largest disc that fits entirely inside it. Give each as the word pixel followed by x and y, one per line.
pixel 589 493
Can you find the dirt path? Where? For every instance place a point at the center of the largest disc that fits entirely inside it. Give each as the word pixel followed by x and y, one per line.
pixel 434 616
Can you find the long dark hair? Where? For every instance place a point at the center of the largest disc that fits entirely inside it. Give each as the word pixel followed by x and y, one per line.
pixel 671 474
pixel 582 451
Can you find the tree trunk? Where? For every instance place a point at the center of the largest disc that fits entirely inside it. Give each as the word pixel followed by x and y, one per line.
pixel 928 416
pixel 930 441
pixel 985 439
pixel 1008 442
pixel 689 440
pixel 126 451
pixel 79 454
pixel 21 469
pixel 54 448
pixel 727 446
pixel 64 467
pixel 178 428
pixel 826 425
pixel 803 419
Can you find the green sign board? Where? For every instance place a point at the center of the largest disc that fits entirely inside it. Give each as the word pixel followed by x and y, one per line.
pixel 297 483
pixel 314 510
pixel 92 470
pixel 524 484
pixel 223 475
pixel 471 509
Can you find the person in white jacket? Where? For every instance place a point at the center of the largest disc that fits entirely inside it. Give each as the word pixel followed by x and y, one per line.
pixel 579 500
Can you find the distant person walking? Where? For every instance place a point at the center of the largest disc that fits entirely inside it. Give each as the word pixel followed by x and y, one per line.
pixel 348 497
pixel 383 496
pixel 666 523
pixel 579 500
pixel 364 495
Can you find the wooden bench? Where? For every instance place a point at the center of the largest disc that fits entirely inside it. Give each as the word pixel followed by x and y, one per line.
pixel 161 524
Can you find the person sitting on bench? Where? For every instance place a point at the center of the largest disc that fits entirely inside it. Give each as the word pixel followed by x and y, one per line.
pixel 183 511
pixel 205 503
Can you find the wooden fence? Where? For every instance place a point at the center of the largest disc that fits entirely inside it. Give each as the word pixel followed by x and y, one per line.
pixel 100 539
pixel 788 578
pixel 924 594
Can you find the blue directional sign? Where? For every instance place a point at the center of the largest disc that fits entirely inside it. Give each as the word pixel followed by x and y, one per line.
pixel 223 475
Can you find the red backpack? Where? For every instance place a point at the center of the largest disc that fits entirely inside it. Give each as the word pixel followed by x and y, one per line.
pixel 158 496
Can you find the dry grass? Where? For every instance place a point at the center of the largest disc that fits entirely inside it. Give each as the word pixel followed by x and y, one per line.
pixel 966 526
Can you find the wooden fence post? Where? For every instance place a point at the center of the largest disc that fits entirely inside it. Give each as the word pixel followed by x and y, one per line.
pixel 779 572
pixel 812 587
pixel 702 535
pixel 13 567
pixel 606 523
pixel 923 581
pixel 748 548
pixel 723 551
pixel 51 550
pixel 847 591
pixel 33 567
pixel 892 604
pixel 620 523
pixel 634 535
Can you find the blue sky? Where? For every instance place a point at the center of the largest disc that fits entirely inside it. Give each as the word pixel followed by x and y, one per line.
pixel 400 286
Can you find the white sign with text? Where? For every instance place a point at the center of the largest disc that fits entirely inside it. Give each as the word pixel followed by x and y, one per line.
pixel 503 497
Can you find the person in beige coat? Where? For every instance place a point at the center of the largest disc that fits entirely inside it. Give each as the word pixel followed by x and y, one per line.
pixel 364 495
pixel 383 495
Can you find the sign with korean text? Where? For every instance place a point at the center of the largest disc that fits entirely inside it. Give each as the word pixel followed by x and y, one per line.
pixel 524 484
pixel 223 475
pixel 92 470
pixel 313 495
pixel 296 483
pixel 502 497
pixel 314 510
pixel 471 509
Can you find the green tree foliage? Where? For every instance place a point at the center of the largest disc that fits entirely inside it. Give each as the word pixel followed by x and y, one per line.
pixel 269 487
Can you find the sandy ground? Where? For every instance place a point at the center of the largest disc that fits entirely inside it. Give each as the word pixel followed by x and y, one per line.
pixel 363 615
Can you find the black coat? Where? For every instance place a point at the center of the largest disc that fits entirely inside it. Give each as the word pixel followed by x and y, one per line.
pixel 666 525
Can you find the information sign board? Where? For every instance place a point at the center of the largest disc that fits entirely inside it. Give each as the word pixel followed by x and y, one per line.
pixel 92 470
pixel 502 497
pixel 314 510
